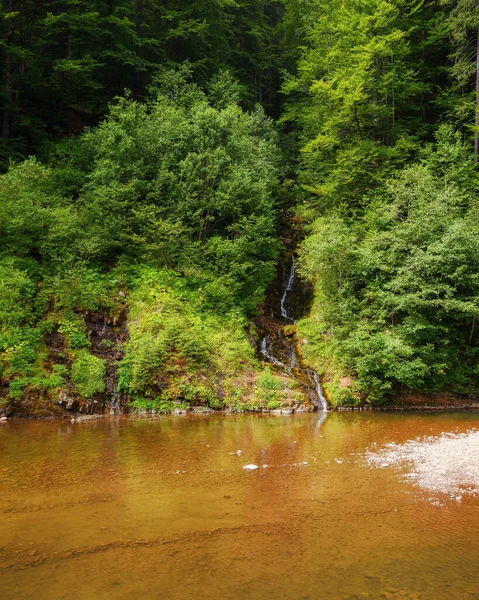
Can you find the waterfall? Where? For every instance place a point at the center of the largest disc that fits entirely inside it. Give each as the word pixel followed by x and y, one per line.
pixel 266 350
pixel 319 391
pixel 288 288
pixel 285 348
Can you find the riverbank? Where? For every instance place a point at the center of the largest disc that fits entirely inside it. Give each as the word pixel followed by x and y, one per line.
pixel 447 405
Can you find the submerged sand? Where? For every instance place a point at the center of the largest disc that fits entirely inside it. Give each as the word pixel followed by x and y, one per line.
pixel 445 464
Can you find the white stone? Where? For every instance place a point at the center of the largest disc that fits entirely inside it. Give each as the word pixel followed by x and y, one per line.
pixel 251 467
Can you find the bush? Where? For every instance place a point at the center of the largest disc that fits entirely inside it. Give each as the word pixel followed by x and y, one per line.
pixel 396 290
pixel 88 373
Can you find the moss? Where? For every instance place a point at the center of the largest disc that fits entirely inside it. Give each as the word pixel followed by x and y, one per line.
pixel 153 405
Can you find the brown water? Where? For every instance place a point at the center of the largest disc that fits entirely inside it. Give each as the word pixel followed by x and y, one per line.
pixel 125 508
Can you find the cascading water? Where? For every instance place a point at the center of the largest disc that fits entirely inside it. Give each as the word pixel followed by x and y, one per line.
pixel 287 289
pixel 286 348
pixel 267 352
pixel 319 391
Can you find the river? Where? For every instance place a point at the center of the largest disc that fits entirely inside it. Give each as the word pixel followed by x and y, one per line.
pixel 161 508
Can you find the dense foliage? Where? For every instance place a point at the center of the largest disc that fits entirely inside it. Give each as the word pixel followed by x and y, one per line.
pixel 392 220
pixel 171 199
pixel 398 288
pixel 62 61
pixel 143 184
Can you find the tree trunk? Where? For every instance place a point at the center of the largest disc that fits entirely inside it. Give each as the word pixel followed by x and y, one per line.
pixel 7 116
pixel 140 5
pixel 476 132
pixel 8 98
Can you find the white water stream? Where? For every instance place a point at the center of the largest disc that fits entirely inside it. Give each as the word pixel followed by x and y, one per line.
pixel 267 351
pixel 319 391
pixel 287 289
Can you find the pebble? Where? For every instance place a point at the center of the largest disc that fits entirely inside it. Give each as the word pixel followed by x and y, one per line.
pixel 440 464
pixel 251 467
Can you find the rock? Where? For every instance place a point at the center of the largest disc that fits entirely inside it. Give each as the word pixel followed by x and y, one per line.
pixel 251 467
pixel 3 419
pixel 71 404
pixel 180 411
pixel 122 294
pixel 239 453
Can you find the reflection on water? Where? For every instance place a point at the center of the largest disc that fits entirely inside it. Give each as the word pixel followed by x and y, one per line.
pixel 322 416
pixel 125 508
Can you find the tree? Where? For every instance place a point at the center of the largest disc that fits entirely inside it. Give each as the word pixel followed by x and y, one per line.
pixel 397 290
pixel 464 27
pixel 361 95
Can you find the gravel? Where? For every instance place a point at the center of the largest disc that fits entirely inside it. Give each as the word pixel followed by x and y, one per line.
pixel 447 464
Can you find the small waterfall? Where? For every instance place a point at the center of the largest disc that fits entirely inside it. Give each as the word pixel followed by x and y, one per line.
pixel 319 391
pixel 288 288
pixel 281 346
pixel 266 351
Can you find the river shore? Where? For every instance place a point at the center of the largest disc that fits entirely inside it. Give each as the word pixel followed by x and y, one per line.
pixel 426 405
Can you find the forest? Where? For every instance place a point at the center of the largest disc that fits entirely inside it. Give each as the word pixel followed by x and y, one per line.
pixel 152 153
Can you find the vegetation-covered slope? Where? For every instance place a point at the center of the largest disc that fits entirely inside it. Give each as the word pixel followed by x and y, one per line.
pixel 397 287
pixel 169 221
pixel 134 253
pixel 392 194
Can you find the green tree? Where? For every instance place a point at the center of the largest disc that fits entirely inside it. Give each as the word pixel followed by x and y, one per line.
pixel 359 94
pixel 463 21
pixel 398 291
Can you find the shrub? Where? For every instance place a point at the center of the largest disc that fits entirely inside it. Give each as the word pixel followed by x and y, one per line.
pixel 88 373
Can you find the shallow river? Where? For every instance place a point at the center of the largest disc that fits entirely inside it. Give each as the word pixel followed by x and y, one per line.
pixel 130 508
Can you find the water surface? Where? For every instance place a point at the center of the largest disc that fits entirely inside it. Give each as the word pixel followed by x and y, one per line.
pixel 130 508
